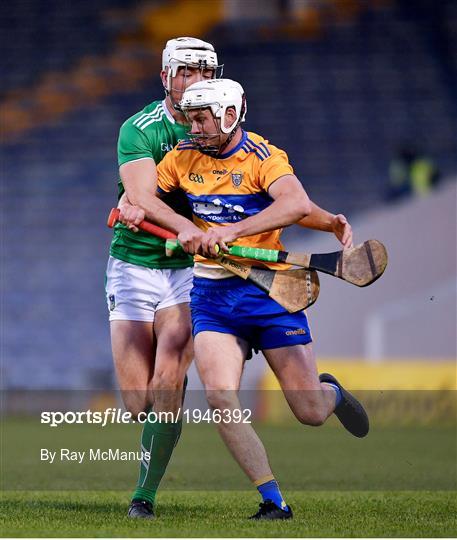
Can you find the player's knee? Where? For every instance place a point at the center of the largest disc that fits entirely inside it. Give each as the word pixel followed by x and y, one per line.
pixel 167 378
pixel 317 419
pixel 221 399
pixel 135 409
pixel 136 402
pixel 311 416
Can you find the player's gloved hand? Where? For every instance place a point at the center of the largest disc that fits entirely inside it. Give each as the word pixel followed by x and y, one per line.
pixel 342 230
pixel 191 239
pixel 216 240
pixel 130 215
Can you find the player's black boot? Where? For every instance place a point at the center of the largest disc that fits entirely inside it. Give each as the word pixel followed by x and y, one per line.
pixel 269 510
pixel 140 509
pixel 349 411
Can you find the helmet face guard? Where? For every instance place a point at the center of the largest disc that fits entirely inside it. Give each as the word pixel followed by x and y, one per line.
pixel 172 87
pixel 202 139
pixel 217 95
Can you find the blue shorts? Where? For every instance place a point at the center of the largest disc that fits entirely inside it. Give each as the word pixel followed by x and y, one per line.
pixel 234 306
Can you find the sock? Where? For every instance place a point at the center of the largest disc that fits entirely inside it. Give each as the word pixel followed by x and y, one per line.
pixel 158 438
pixel 339 395
pixel 270 491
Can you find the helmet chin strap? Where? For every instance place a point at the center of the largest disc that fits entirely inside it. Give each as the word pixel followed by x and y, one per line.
pixel 216 151
pixel 210 150
pixel 174 104
pixel 224 145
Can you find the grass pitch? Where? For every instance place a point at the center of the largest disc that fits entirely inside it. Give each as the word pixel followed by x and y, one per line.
pixel 223 514
pixel 396 482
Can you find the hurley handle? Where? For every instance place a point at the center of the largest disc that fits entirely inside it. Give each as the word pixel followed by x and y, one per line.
pixel 113 218
pixel 269 255
pixel 172 245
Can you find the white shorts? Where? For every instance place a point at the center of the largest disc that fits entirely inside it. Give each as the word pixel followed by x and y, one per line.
pixel 135 293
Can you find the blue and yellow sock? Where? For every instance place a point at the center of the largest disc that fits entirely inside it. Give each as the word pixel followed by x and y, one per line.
pixel 339 395
pixel 269 489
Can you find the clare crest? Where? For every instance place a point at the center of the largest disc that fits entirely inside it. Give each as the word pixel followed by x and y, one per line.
pixel 237 178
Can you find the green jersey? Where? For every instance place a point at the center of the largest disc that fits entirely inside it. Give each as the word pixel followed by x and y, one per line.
pixel 150 133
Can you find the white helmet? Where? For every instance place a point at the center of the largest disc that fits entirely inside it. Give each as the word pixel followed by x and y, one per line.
pixel 218 95
pixel 187 51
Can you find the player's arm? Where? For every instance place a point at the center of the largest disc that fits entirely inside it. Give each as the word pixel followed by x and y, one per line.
pixel 141 201
pixel 138 174
pixel 321 220
pixel 139 178
pixel 290 204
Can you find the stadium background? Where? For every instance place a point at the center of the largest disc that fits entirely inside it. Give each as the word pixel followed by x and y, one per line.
pixel 348 88
pixel 344 86
pixel 340 85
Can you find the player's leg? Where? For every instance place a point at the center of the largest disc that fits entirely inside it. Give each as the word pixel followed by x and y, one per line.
pixel 133 294
pixel 295 368
pixel 220 358
pixel 131 307
pixel 314 398
pixel 173 354
pixel 221 310
pixel 285 339
pixel 162 430
pixel 131 312
pixel 132 344
pixel 174 349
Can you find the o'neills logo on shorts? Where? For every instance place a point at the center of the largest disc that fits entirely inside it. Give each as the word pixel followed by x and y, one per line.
pixel 298 332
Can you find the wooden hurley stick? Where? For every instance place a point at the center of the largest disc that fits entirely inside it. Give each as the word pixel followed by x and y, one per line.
pixel 360 265
pixel 295 290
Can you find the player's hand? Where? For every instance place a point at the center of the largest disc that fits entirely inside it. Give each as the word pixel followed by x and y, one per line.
pixel 217 240
pixel 342 230
pixel 191 239
pixel 130 215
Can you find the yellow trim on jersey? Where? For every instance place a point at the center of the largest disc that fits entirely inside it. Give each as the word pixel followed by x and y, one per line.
pixel 229 188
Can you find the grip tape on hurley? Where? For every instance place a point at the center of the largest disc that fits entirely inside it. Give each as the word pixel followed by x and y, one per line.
pixel 269 255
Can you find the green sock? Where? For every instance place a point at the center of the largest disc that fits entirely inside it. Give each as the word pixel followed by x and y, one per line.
pixel 159 439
